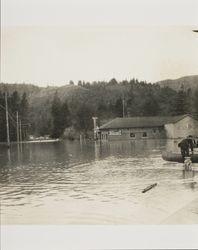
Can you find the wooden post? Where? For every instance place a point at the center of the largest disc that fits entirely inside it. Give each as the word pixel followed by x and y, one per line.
pixel 7 120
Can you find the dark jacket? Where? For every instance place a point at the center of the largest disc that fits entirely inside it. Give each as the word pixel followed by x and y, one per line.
pixel 186 144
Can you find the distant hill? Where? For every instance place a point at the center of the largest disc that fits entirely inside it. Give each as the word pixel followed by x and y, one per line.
pixel 186 82
pixel 39 95
pixel 29 89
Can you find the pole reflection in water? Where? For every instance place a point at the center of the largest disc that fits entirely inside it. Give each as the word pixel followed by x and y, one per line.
pixel 19 152
pixel 9 156
pixel 97 146
pixel 189 175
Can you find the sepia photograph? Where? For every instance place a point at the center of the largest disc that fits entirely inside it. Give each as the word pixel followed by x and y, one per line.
pixel 98 122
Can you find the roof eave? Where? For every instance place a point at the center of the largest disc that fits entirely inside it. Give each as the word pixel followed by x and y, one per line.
pixel 151 126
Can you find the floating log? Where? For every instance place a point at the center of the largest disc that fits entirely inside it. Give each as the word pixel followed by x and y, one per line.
pixel 149 187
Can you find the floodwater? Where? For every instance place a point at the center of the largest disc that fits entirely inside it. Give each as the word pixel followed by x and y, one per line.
pixel 95 183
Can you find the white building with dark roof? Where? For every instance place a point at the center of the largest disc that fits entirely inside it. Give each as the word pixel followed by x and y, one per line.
pixel 155 127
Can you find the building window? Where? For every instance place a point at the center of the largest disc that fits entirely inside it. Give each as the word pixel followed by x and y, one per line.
pixel 132 135
pixel 154 130
pixel 144 134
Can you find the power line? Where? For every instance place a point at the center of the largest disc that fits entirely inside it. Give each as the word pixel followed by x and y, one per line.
pixel 9 114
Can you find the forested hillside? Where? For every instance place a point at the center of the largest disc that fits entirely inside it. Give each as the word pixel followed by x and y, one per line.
pixel 69 109
pixel 187 82
pixel 29 89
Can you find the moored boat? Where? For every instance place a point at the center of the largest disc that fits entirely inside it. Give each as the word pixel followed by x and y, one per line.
pixel 176 156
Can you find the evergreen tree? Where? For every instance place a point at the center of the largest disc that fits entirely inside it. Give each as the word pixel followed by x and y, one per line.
pixel 166 100
pixel 13 108
pixel 80 83
pixel 61 117
pixel 189 101
pixel 2 118
pixel 102 110
pixel 131 108
pixel 118 108
pixel 195 104
pixel 15 102
pixel 113 82
pixel 150 106
pixel 66 122
pixel 56 111
pixel 83 119
pixel 24 107
pixel 24 116
pixel 71 82
pixel 180 106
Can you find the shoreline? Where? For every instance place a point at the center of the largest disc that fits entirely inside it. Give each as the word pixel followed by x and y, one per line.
pixel 31 141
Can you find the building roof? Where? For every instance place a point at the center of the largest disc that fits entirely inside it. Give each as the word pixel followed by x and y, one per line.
pixel 141 122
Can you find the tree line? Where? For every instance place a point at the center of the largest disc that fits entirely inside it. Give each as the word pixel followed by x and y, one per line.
pixel 70 115
pixel 108 100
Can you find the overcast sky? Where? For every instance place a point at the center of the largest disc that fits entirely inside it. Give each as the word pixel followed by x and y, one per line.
pixel 49 42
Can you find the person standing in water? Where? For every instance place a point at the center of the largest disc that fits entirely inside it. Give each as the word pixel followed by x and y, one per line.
pixel 185 145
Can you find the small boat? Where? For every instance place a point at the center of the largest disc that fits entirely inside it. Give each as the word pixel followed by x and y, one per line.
pixel 176 156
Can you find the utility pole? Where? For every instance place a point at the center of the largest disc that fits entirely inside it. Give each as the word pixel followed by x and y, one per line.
pixel 7 120
pixel 123 111
pixel 17 118
pixel 95 127
pixel 18 138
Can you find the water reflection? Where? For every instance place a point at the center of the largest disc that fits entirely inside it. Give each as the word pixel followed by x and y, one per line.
pixel 69 152
pixel 189 175
pixel 92 182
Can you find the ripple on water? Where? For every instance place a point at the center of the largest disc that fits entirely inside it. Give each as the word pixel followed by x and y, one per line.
pixel 108 190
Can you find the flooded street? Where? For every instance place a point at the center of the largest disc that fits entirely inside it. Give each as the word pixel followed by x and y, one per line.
pixel 95 183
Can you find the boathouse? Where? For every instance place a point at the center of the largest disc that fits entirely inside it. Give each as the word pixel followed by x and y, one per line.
pixel 156 127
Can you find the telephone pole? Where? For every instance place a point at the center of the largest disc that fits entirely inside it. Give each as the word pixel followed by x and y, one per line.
pixel 95 127
pixel 17 118
pixel 7 120
pixel 123 106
